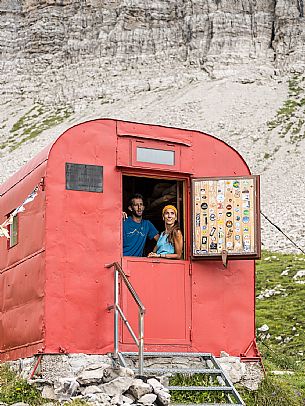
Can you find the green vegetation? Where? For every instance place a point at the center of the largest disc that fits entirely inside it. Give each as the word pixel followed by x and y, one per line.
pixel 14 389
pixel 38 119
pixel 288 119
pixel 194 396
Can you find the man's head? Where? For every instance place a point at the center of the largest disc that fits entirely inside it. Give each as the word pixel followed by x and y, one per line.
pixel 136 206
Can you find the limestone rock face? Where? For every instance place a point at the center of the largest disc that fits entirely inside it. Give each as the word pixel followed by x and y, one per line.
pixel 62 50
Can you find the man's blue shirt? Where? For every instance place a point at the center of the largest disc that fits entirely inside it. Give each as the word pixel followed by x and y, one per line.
pixel 134 236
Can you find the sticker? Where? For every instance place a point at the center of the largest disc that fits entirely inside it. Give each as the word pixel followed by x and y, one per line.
pixel 228 206
pixel 212 217
pixel 219 206
pixel 229 244
pixel 237 218
pixel 212 231
pixel 246 212
pixel 204 240
pixel 213 246
pixel 229 223
pixel 220 198
pixel 237 237
pixel 197 219
pixel 204 206
pixel 236 184
pixel 237 224
pixel 228 213
pixel 245 195
pixel 245 219
pixel 229 233
pixel 246 204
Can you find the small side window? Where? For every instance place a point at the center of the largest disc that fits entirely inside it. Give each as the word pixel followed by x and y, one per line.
pixel 13 232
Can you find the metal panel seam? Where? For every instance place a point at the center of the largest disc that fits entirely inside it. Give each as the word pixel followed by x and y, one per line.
pixel 21 261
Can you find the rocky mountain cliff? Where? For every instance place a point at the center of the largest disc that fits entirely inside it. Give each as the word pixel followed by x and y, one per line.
pixel 62 50
pixel 230 68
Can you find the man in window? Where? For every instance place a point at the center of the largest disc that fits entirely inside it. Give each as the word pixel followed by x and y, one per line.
pixel 136 230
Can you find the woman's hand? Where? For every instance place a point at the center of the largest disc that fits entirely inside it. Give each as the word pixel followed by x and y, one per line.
pixel 153 255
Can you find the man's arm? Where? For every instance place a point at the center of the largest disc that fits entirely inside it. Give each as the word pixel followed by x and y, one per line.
pixel 156 237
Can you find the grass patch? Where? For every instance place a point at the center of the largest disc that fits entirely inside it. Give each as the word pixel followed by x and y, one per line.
pixel 14 389
pixel 272 392
pixel 33 123
pixel 292 107
pixel 195 396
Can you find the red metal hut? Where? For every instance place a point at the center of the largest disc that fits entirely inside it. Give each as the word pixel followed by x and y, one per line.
pixel 55 289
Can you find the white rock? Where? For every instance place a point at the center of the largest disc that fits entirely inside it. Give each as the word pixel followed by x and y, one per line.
pixel 64 388
pixel 48 392
pixel 163 397
pixel 91 389
pixel 117 386
pixel 139 388
pixel 147 399
pixel 299 274
pixel 263 328
pixel 111 373
pixel 91 376
pixel 155 384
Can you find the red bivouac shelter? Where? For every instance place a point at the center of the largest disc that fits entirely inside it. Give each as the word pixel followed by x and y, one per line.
pixel 63 213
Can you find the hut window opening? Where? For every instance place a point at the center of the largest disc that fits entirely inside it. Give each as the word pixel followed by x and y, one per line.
pixel 156 156
pixel 13 232
pixel 157 193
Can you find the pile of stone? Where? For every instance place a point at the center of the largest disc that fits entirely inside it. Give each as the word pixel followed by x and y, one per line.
pixel 98 383
pixel 107 385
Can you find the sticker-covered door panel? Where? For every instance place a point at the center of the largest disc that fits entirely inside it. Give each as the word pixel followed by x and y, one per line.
pixel 226 216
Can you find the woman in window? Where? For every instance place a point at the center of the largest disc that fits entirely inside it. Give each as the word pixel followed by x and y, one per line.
pixel 170 242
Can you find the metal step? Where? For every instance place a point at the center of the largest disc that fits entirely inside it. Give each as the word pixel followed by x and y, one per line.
pixel 202 388
pixel 185 371
pixel 203 404
pixel 214 370
pixel 169 354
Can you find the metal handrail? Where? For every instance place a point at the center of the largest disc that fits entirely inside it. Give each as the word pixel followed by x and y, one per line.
pixel 118 311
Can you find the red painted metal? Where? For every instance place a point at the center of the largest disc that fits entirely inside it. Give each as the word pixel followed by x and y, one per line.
pixel 55 290
pixel 167 293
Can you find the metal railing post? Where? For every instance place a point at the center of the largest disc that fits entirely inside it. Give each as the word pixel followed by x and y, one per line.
pixel 116 314
pixel 141 341
pixel 119 312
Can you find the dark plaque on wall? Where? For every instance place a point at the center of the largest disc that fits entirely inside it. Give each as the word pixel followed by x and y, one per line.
pixel 88 178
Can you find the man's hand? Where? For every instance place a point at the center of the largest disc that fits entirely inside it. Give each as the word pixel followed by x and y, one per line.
pixel 124 215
